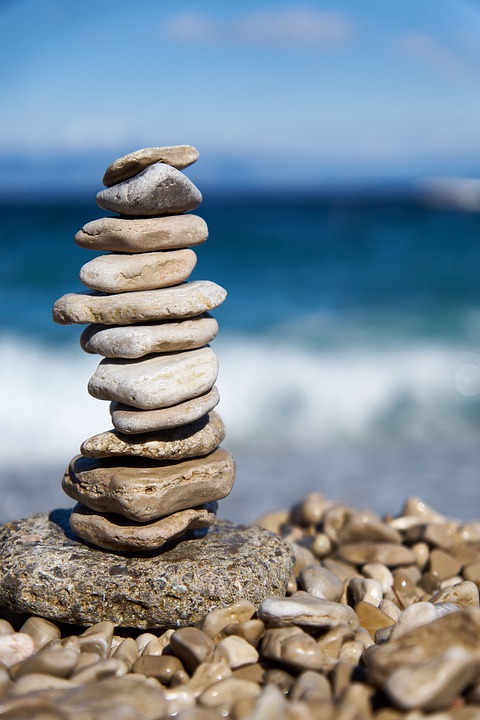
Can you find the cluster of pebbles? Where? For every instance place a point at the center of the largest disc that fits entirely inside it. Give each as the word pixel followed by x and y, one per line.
pixel 158 474
pixel 381 619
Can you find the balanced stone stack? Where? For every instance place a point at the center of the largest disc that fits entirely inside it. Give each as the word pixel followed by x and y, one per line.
pixel 157 475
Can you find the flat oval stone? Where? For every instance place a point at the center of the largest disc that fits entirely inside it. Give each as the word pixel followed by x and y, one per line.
pixel 159 381
pixel 135 341
pixel 115 532
pixel 178 156
pixel 304 609
pixel 389 554
pixel 129 420
pixel 160 189
pixel 144 490
pixel 198 438
pixel 46 571
pixel 180 301
pixel 137 235
pixel 117 273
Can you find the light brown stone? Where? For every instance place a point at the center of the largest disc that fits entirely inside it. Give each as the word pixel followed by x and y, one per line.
pixel 162 667
pixel 389 554
pixel 372 618
pixel 206 674
pixel 239 612
pixel 114 532
pixel 178 156
pixel 321 583
pixel 50 662
pixel 169 303
pixel 192 646
pixel 145 490
pixel 250 630
pixel 463 593
pixel 118 273
pixel 443 565
pixel 40 630
pixel 235 652
pixel 304 609
pixel 344 525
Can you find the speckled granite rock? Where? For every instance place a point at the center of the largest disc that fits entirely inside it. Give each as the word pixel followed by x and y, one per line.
pixel 46 571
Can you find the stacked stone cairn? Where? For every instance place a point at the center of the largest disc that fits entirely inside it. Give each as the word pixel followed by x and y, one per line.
pixel 157 475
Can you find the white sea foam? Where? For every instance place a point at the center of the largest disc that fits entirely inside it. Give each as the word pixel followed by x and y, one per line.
pixel 273 395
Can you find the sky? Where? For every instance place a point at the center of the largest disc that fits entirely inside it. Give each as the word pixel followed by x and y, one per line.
pixel 272 92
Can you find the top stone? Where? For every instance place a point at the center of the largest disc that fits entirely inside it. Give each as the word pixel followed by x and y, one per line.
pixel 178 156
pixel 158 190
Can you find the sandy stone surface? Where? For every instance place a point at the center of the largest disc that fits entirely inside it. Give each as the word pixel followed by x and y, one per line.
pixel 178 156
pixel 46 571
pixel 160 189
pixel 137 235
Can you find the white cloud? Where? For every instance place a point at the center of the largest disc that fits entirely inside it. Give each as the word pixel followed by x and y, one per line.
pixel 424 47
pixel 297 26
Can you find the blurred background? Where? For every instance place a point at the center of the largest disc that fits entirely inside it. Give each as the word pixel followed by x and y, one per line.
pixel 339 156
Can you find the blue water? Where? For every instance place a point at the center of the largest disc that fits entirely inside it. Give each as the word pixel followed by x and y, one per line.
pixel 349 349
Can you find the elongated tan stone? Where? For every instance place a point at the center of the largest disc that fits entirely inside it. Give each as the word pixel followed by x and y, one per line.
pixel 198 438
pixel 129 420
pixel 178 156
pixel 143 490
pixel 160 189
pixel 134 341
pixel 305 609
pixel 180 301
pixel 118 273
pixel 140 235
pixel 156 382
pixel 115 532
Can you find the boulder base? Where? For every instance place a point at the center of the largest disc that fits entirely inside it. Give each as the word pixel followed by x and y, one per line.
pixel 45 570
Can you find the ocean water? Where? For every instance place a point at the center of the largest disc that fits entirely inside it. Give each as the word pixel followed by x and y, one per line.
pixel 349 350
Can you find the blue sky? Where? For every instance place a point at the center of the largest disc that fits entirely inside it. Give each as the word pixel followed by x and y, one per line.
pixel 271 93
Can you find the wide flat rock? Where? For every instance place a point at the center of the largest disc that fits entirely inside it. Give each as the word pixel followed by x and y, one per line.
pixel 160 189
pixel 156 381
pixel 118 273
pixel 134 341
pixel 136 235
pixel 126 308
pixel 178 156
pixel 45 570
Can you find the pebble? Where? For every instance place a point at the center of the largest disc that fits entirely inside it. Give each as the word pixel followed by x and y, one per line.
pixel 365 589
pixel 156 382
pixel 464 594
pixel 114 532
pixel 162 667
pixel 40 630
pixel 207 674
pixel 305 609
pixel 215 622
pixel 139 235
pixel 15 647
pixel 136 341
pixel 372 618
pixel 144 271
pixel 379 572
pixel 228 691
pixel 170 303
pixel 321 583
pixel 160 189
pixel 250 630
pixel 235 651
pixel 389 554
pixel 131 421
pixel 192 646
pixel 59 663
pixel 145 490
pixel 178 156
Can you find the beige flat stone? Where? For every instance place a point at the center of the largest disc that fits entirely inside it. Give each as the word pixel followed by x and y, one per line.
pixel 178 156
pixel 200 437
pixel 160 189
pixel 305 609
pixel 137 235
pixel 135 341
pixel 156 382
pixel 118 273
pixel 176 302
pixel 389 554
pixel 114 532
pixel 129 420
pixel 144 490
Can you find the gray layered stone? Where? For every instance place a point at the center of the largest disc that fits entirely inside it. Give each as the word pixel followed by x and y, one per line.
pixel 178 156
pixel 197 438
pixel 160 189
pixel 143 490
pixel 135 341
pixel 185 300
pixel 129 420
pixel 142 271
pixel 46 571
pixel 136 235
pixel 157 381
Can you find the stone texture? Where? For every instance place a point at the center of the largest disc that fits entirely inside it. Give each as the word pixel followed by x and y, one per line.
pixel 178 156
pixel 158 381
pixel 137 235
pixel 145 490
pixel 160 189
pixel 135 341
pixel 142 271
pixel 198 438
pixel 45 570
pixel 129 420
pixel 172 303
pixel 119 534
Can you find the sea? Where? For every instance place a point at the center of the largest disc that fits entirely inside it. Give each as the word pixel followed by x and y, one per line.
pixel 349 350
